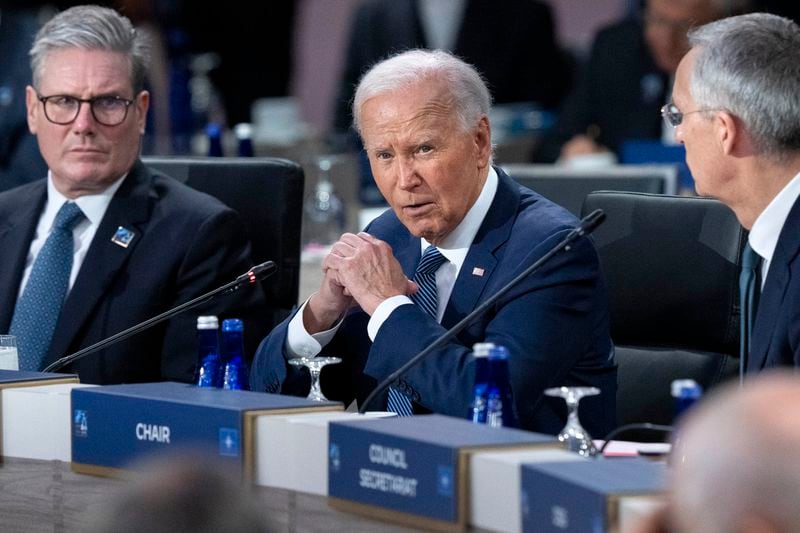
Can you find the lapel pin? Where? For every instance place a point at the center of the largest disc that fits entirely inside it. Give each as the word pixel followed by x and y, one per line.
pixel 123 237
pixel 478 271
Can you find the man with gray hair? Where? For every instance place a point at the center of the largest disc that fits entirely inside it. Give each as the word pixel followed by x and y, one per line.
pixel 736 109
pixel 103 243
pixel 736 464
pixel 458 230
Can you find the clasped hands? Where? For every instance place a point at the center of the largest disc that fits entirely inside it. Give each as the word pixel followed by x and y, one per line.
pixel 359 269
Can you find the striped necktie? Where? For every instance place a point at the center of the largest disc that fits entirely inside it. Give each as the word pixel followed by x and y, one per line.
pixel 749 290
pixel 425 298
pixel 37 310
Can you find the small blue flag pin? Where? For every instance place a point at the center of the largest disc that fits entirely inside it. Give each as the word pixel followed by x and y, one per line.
pixel 123 237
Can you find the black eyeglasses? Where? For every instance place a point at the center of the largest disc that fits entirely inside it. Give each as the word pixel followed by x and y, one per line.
pixel 674 116
pixel 63 109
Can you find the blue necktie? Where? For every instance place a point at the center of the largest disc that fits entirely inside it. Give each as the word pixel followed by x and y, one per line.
pixel 37 310
pixel 425 298
pixel 749 289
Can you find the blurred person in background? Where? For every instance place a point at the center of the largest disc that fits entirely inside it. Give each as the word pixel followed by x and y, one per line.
pixel 186 493
pixel 627 79
pixel 735 467
pixel 512 44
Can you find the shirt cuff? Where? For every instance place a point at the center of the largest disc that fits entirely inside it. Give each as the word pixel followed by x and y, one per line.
pixel 382 312
pixel 301 343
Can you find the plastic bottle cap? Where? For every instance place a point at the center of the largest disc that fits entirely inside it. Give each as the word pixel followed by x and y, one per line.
pixel 498 352
pixel 213 129
pixel 243 130
pixel 685 387
pixel 232 324
pixel 481 349
pixel 207 322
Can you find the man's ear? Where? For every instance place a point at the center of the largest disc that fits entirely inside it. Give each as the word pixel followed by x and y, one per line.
pixel 728 132
pixel 32 104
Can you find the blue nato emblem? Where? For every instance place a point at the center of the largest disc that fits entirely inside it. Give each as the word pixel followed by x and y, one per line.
pixel 80 424
pixel 123 237
pixel 229 442
pixel 335 457
pixel 444 480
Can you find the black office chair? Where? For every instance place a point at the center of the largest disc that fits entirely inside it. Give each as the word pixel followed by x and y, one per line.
pixel 268 195
pixel 672 268
pixel 568 186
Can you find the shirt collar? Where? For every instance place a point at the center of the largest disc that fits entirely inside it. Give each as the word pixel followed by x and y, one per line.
pixel 455 246
pixel 93 205
pixel 767 228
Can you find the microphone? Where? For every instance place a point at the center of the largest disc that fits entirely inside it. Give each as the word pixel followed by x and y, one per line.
pixel 256 273
pixel 587 225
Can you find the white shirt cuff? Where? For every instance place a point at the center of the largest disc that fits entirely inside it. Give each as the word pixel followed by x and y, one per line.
pixel 300 343
pixel 382 312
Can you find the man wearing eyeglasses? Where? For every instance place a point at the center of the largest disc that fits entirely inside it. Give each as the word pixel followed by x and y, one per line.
pixel 104 243
pixel 736 109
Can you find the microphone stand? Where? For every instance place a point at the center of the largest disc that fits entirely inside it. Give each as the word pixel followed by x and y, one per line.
pixel 586 226
pixel 256 273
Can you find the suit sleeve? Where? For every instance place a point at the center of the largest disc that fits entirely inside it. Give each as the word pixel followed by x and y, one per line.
pixel 548 323
pixel 218 253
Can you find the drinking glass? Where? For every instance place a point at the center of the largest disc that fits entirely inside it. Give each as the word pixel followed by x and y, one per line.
pixel 9 359
pixel 314 365
pixel 573 435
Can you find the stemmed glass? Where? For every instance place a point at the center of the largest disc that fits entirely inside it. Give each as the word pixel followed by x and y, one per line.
pixel 314 365
pixel 573 435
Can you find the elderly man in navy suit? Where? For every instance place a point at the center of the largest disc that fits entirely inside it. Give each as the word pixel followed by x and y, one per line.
pixel 104 243
pixel 736 109
pixel 423 117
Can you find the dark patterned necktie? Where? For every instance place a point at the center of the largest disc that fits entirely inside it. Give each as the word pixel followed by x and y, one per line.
pixel 749 290
pixel 37 310
pixel 425 298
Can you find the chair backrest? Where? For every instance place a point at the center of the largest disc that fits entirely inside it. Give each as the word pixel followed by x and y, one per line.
pixel 568 187
pixel 268 195
pixel 672 268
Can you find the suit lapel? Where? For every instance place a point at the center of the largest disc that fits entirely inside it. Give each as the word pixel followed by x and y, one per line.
pixel 130 209
pixel 15 240
pixel 768 313
pixel 481 260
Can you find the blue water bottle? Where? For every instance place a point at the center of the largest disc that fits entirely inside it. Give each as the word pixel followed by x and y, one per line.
pixel 499 403
pixel 477 411
pixel 235 376
pixel 244 139
pixel 214 134
pixel 685 393
pixel 209 362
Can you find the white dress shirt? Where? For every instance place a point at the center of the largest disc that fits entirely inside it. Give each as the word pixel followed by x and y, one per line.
pixel 767 228
pixel 299 343
pixel 93 207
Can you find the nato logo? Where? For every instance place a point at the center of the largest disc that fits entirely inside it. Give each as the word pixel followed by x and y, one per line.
pixel 444 480
pixel 229 442
pixel 80 426
pixel 335 457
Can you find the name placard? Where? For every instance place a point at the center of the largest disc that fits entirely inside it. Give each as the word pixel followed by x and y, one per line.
pixel 117 424
pixel 584 496
pixel 413 469
pixel 24 378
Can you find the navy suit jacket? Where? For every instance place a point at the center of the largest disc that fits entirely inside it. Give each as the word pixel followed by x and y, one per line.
pixel 554 323
pixel 776 331
pixel 186 243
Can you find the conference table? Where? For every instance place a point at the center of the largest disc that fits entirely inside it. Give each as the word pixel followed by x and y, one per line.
pixel 37 496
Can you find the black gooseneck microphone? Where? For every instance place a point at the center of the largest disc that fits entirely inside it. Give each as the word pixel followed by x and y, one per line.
pixel 587 225
pixel 256 273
